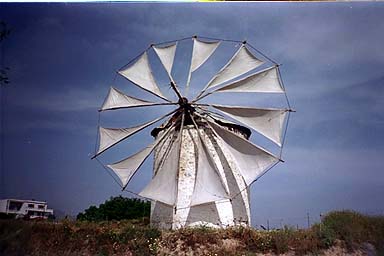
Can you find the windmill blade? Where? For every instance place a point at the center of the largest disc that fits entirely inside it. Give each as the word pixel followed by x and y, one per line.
pixel 208 183
pixel 163 186
pixel 200 53
pixel 266 80
pixel 109 137
pixel 251 160
pixel 117 99
pixel 166 55
pixel 162 154
pixel 140 74
pixel 268 122
pixel 126 168
pixel 240 63
pixel 208 187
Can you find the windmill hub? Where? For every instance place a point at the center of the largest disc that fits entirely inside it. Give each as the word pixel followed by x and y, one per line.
pixel 183 101
pixel 185 106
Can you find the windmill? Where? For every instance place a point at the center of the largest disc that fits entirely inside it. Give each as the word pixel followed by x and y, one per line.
pixel 204 163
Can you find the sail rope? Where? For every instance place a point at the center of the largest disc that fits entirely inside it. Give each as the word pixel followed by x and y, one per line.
pixel 284 134
pixel 220 39
pixel 97 133
pixel 282 84
pixel 108 171
pixel 262 54
pixel 116 180
pixel 172 41
pixel 132 60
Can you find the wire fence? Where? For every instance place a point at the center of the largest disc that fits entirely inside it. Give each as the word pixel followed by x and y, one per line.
pixel 305 220
pixel 300 222
pixel 268 225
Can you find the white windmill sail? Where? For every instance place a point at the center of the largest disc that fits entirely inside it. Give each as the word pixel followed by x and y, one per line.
pixel 127 167
pixel 251 160
pixel 140 74
pixel 265 81
pixel 268 122
pixel 162 154
pixel 163 186
pixel 108 137
pixel 166 55
pixel 208 186
pixel 116 99
pixel 240 63
pixel 201 52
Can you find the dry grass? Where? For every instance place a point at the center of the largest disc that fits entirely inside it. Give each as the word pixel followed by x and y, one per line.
pixel 338 234
pixel 76 238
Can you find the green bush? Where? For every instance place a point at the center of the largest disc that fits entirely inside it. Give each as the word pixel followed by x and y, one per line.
pixel 117 208
pixel 325 235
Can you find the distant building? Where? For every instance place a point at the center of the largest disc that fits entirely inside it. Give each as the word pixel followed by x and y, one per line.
pixel 25 208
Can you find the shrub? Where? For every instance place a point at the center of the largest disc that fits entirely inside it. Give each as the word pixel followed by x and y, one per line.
pixel 354 229
pixel 324 234
pixel 117 208
pixel 347 226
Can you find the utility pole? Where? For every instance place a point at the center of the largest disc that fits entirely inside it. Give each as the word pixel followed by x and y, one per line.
pixel 308 220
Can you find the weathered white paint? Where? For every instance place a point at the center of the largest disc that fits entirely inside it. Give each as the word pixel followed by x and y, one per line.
pixel 221 213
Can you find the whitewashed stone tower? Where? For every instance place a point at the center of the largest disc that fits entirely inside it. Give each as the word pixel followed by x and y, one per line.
pixel 221 213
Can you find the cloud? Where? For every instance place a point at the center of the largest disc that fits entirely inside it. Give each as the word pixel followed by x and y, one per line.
pixel 53 100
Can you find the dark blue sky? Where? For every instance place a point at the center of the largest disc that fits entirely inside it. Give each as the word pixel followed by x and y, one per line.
pixel 63 59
